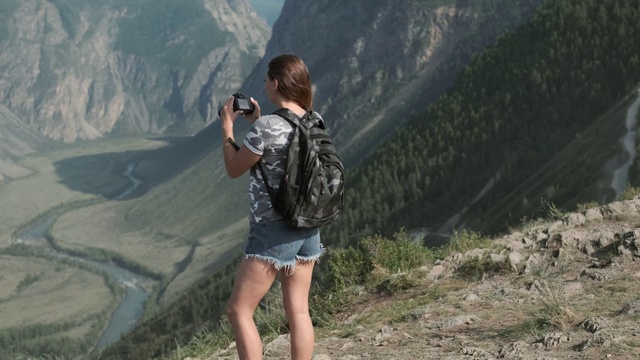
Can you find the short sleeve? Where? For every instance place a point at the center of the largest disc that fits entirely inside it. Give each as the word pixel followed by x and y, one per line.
pixel 257 137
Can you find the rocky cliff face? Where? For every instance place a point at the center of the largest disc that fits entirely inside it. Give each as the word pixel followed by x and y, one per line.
pixel 79 69
pixel 373 63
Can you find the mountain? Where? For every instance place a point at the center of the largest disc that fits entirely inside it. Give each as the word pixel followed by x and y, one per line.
pixel 81 69
pixel 204 210
pixel 16 140
pixel 373 64
pixel 377 68
pixel 207 209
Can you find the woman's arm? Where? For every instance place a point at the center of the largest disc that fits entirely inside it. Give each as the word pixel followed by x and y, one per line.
pixel 236 162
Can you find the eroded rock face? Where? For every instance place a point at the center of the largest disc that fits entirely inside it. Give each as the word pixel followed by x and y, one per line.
pixel 81 70
pixel 372 62
pixel 77 71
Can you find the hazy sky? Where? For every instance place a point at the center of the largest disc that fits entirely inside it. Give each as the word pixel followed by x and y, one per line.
pixel 269 9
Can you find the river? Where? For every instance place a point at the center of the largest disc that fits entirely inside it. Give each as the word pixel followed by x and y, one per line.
pixel 126 315
pixel 621 174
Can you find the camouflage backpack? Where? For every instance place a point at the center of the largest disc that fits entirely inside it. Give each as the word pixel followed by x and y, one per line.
pixel 311 192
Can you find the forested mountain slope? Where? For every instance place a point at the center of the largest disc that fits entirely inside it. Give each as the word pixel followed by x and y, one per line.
pixel 510 130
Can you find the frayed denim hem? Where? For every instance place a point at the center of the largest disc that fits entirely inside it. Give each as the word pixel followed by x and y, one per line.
pixel 288 267
pixel 315 258
pixel 278 265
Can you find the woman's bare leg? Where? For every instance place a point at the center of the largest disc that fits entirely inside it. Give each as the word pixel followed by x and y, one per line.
pixel 253 280
pixel 295 294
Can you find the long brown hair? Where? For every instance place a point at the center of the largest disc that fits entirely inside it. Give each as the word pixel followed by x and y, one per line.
pixel 294 81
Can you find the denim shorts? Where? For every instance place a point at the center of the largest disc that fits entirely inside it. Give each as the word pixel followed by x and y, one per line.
pixel 281 245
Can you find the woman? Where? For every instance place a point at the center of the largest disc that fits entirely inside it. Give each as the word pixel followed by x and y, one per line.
pixel 273 247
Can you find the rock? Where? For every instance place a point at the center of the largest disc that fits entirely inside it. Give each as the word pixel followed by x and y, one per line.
pixel 599 339
pixel 384 333
pixel 475 254
pixel 453 322
pixel 575 219
pixel 436 272
pixel 514 259
pixel 516 349
pixel 629 246
pixel 593 214
pixel 497 258
pixel 573 288
pixel 515 245
pixel 553 339
pixel 281 343
pixel 553 242
pixel 632 308
pixel 556 226
pixel 321 357
pixel 419 313
pixel 596 274
pixel 471 297
pixel 595 324
pixel 473 351
pixel 514 237
pixel 542 236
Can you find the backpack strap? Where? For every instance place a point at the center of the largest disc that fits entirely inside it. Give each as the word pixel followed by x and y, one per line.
pixel 288 115
pixel 294 120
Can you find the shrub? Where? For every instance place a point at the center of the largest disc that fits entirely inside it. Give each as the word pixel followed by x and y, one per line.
pixel 586 206
pixel 353 266
pixel 399 254
pixel 347 267
pixel 475 269
pixel 629 192
pixel 376 263
pixel 462 242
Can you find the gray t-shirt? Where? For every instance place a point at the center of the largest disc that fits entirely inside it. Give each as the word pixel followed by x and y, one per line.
pixel 270 136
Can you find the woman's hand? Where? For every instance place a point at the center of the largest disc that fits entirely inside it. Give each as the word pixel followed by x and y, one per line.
pixel 256 112
pixel 227 115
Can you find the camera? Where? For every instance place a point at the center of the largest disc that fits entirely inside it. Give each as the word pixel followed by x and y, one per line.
pixel 242 103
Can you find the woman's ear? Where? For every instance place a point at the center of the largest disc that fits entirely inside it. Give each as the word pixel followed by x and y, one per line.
pixel 275 83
